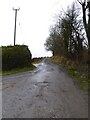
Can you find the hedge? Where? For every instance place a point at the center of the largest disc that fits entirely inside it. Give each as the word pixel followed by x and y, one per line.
pixel 17 56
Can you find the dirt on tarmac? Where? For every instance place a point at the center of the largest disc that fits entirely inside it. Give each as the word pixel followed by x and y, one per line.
pixel 47 92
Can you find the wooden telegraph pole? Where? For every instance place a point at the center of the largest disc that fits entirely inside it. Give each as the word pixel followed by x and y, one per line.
pixel 15 24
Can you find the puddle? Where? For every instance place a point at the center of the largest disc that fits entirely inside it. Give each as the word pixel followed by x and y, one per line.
pixel 44 83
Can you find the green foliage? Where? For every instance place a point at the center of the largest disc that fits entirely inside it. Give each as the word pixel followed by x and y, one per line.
pixel 0 59
pixel 84 81
pixel 18 70
pixel 15 57
pixel 73 73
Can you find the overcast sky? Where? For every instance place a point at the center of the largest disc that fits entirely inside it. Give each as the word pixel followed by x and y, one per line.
pixel 33 22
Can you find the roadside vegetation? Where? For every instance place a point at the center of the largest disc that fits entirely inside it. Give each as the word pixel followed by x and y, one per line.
pixel 18 70
pixel 69 41
pixel 16 59
pixel 74 69
pixel 37 60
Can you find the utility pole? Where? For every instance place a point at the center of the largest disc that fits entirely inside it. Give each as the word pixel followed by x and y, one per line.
pixel 15 24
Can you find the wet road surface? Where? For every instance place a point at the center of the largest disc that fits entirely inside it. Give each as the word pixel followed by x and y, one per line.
pixel 47 92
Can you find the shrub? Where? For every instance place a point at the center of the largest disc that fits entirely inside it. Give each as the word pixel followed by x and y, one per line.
pixel 15 57
pixel 0 59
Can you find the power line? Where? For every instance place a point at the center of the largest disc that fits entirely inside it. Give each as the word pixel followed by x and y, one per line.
pixel 21 30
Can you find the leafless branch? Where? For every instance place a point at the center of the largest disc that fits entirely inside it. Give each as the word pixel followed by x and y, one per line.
pixel 81 2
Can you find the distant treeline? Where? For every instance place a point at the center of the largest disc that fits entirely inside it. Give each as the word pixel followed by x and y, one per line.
pixel 37 59
pixel 17 56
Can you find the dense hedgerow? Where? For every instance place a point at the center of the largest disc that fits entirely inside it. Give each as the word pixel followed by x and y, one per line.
pixel 0 59
pixel 15 57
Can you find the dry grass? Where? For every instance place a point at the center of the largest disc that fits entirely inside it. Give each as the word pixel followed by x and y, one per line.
pixel 74 69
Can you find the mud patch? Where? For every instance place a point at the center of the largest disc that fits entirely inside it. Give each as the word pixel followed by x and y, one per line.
pixel 44 83
pixel 8 85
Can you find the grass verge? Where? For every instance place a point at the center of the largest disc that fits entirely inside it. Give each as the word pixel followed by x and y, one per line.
pixel 74 69
pixel 18 70
pixel 82 78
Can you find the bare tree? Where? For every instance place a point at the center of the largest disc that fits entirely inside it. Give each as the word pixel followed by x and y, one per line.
pixel 53 42
pixel 67 36
pixel 86 7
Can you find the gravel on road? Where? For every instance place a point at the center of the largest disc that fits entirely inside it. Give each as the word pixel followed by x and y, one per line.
pixel 47 92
